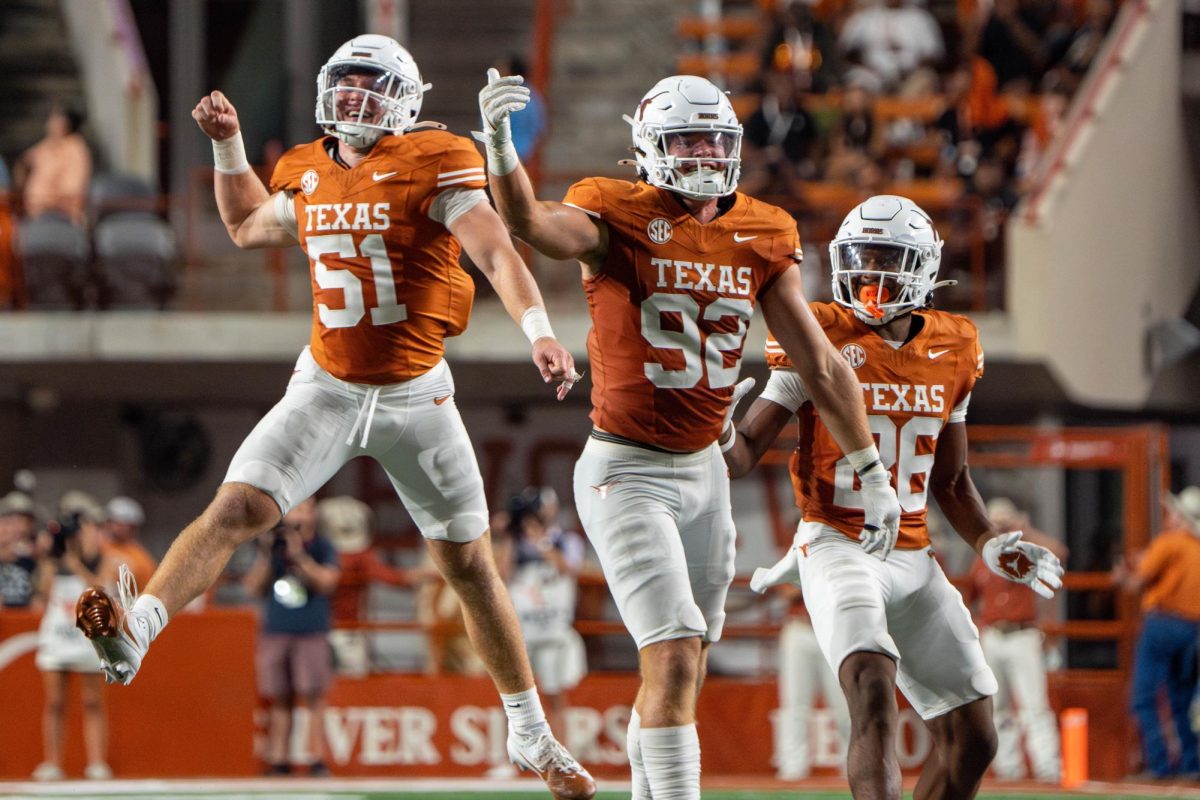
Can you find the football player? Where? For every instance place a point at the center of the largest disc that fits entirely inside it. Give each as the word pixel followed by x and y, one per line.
pixel 883 622
pixel 673 266
pixel 382 205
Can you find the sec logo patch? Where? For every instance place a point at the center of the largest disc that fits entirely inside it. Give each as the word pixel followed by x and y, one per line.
pixel 854 354
pixel 309 181
pixel 659 230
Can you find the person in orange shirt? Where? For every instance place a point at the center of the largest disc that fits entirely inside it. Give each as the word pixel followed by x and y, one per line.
pixel 892 619
pixel 1014 648
pixel 1168 576
pixel 673 265
pixel 383 206
pixel 123 521
pixel 346 522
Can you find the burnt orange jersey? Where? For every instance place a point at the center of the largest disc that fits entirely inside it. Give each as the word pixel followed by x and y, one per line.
pixel 910 392
pixel 387 285
pixel 671 305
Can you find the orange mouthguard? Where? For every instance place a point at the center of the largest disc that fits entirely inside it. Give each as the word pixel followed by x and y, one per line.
pixel 871 296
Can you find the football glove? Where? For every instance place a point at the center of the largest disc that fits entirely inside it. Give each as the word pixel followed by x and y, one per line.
pixel 497 102
pixel 740 390
pixel 881 512
pixel 1023 562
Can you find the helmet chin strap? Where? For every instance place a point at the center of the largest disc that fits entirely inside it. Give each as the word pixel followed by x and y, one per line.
pixel 357 136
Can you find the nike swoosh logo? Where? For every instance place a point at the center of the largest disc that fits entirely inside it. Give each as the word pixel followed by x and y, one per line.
pixel 382 176
pixel 737 237
pixel 937 354
pixel 437 401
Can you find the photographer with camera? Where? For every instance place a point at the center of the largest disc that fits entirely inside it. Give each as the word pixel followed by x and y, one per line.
pixel 70 559
pixel 295 572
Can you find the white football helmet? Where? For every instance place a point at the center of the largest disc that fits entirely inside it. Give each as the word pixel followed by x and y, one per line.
pixel 360 110
pixel 684 104
pixel 885 259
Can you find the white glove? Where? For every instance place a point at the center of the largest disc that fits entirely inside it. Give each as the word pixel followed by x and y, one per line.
pixel 497 102
pixel 1023 562
pixel 881 512
pixel 786 570
pixel 740 390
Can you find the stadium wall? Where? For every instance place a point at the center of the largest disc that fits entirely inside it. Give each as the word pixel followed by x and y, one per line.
pixel 191 713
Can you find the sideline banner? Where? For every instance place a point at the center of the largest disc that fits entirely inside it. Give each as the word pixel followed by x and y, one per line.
pixel 191 712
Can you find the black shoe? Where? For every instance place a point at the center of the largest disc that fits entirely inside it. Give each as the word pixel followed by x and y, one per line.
pixel 317 769
pixel 276 770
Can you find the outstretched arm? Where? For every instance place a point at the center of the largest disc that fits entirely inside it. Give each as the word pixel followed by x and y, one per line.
pixel 485 240
pixel 554 229
pixel 1004 553
pixel 834 389
pixel 249 212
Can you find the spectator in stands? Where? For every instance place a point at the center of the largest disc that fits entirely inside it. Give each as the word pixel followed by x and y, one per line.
pixel 892 46
pixel 346 522
pixel 528 124
pixel 18 568
pixel 1013 646
pixel 804 674
pixel 124 519
pixel 295 574
pixel 22 516
pixel 53 175
pixel 71 558
pixel 803 46
pixel 973 118
pixel 1168 576
pixel 855 138
pixel 1073 54
pixel 779 138
pixel 1013 39
pixel 543 582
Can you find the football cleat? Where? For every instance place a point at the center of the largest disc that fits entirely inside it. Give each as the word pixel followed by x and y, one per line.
pixel 119 637
pixel 564 776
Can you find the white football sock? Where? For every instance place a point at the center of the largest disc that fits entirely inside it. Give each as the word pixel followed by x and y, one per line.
pixel 637 768
pixel 525 714
pixel 672 758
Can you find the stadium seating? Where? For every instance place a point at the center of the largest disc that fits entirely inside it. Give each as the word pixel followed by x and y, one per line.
pixel 54 253
pixel 135 250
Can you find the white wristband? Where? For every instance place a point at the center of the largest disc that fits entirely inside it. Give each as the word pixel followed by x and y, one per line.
pixel 229 155
pixel 725 448
pixel 536 324
pixel 865 460
pixel 503 159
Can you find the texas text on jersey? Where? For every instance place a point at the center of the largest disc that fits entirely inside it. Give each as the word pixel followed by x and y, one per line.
pixel 670 307
pixel 387 284
pixel 911 392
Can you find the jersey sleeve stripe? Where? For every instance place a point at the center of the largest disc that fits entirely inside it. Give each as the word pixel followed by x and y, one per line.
pixel 463 179
pixel 453 173
pixel 587 211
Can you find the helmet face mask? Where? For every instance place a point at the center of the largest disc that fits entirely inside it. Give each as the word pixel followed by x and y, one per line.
pixel 687 139
pixel 369 88
pixel 885 259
